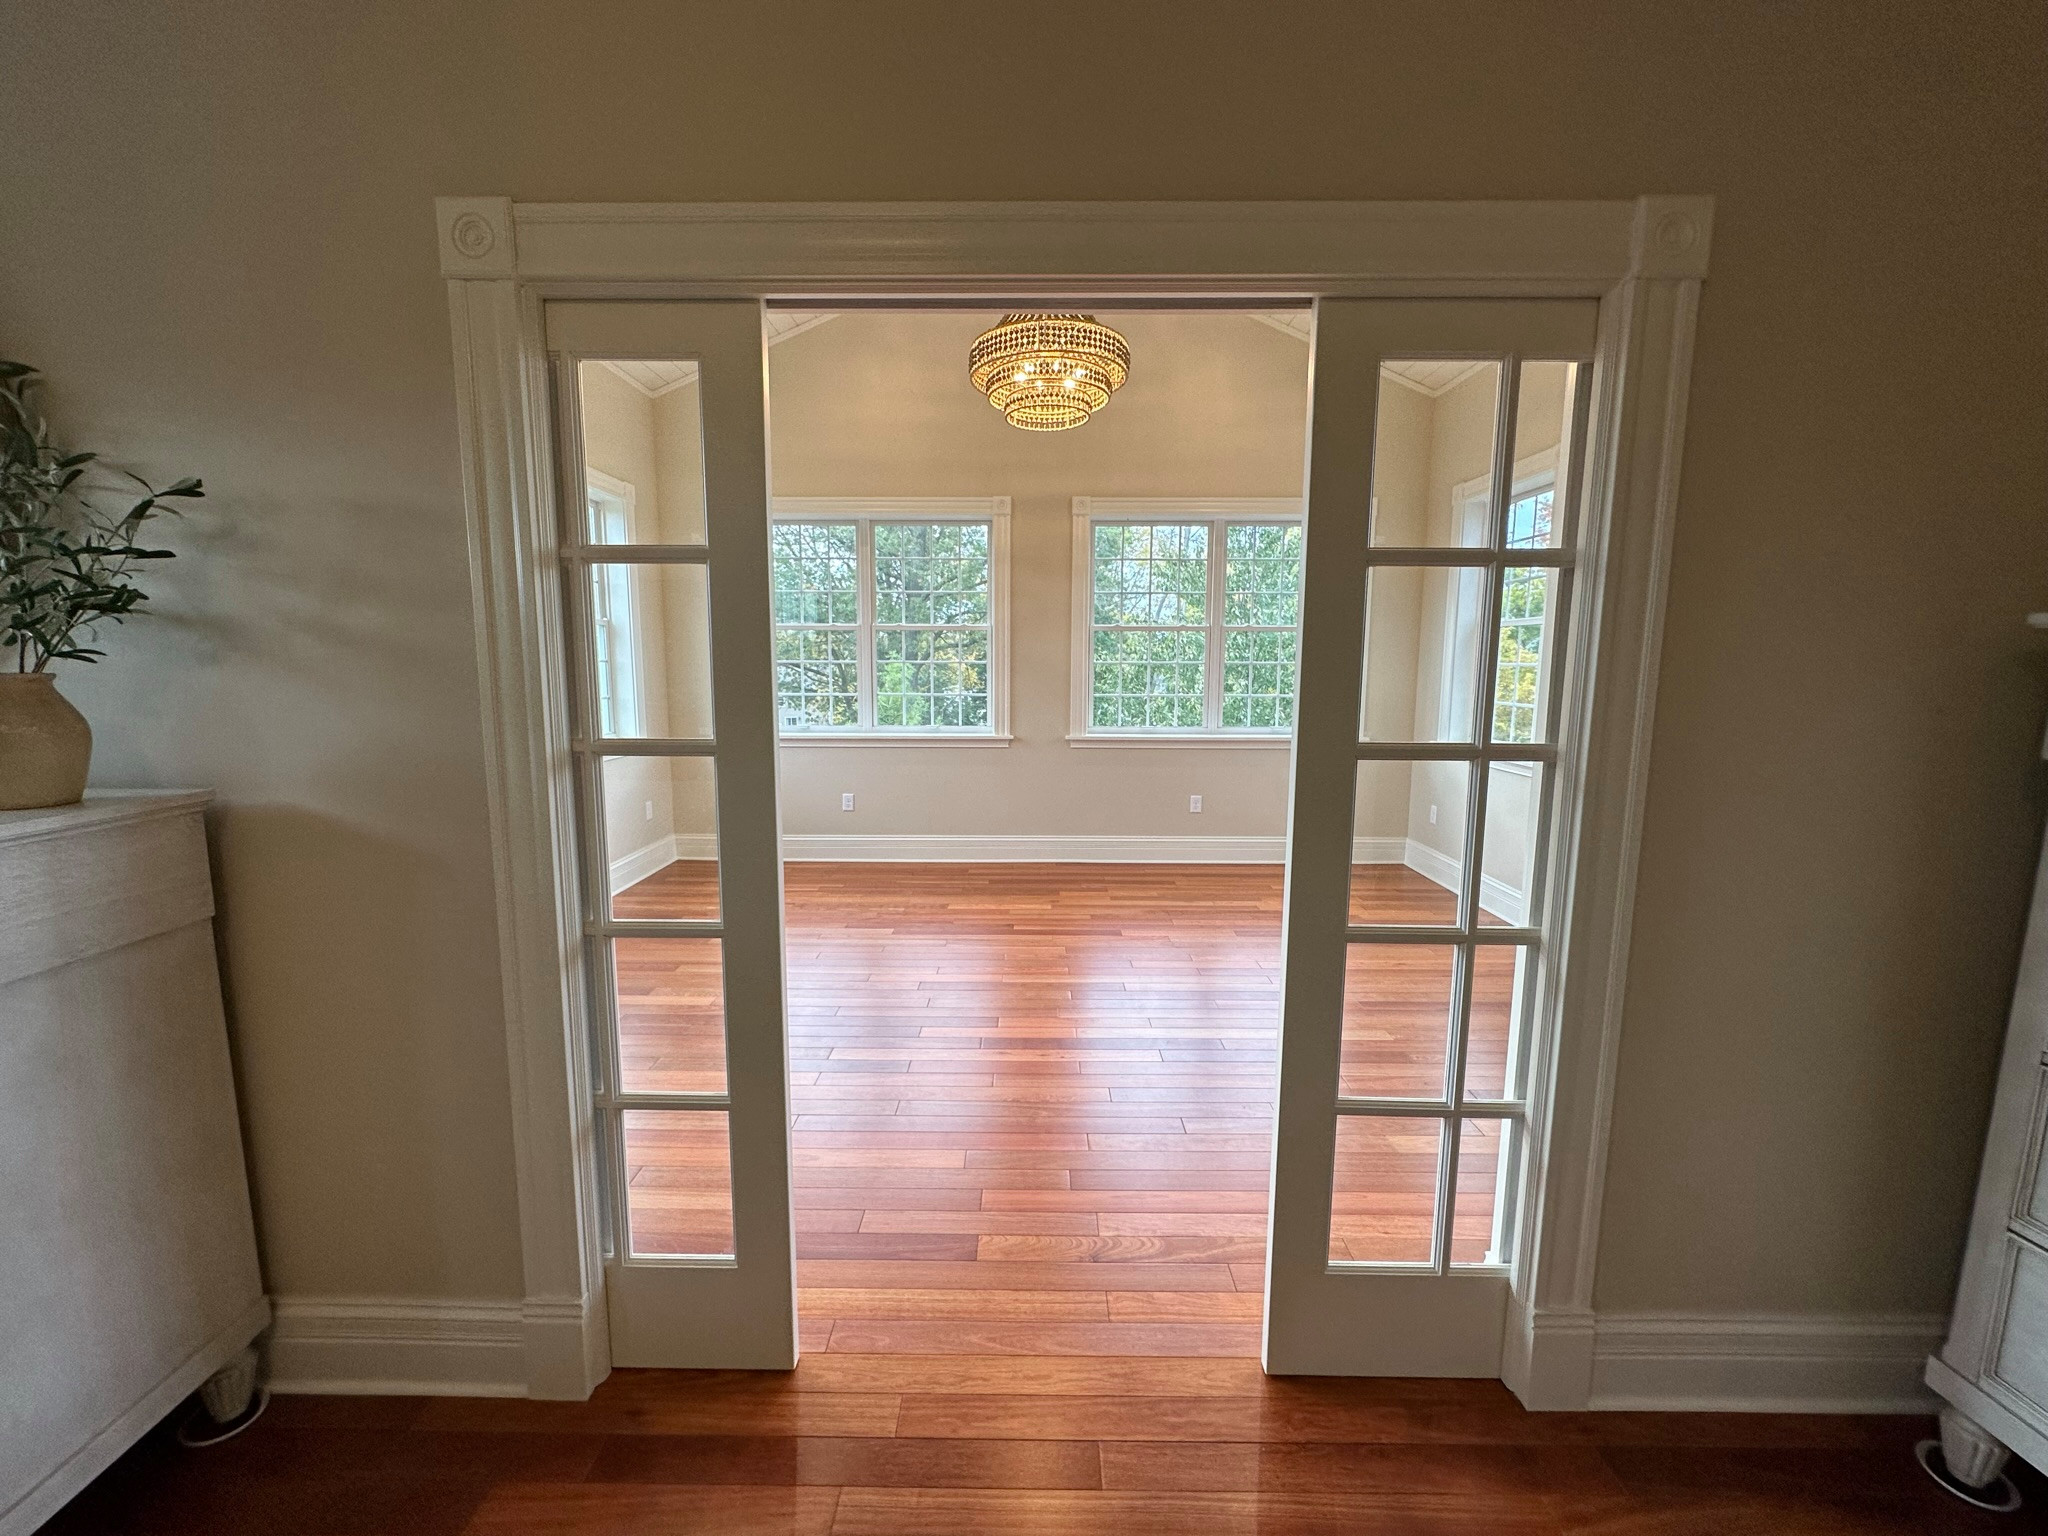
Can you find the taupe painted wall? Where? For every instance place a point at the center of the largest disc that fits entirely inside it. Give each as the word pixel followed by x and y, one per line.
pixel 219 238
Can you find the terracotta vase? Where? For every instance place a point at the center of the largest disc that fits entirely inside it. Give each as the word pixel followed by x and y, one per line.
pixel 45 744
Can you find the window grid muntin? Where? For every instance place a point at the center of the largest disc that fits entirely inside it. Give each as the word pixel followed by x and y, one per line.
pixel 1214 630
pixel 817 623
pixel 1496 555
pixel 867 630
pixel 934 634
pixel 584 551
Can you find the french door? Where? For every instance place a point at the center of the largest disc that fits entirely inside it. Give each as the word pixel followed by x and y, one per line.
pixel 1437 616
pixel 663 497
pixel 1437 623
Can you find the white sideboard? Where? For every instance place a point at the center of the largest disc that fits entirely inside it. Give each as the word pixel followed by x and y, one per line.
pixel 128 1268
pixel 1993 1371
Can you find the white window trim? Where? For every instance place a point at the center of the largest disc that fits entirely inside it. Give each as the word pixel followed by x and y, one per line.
pixel 622 493
pixel 869 510
pixel 1532 473
pixel 1090 510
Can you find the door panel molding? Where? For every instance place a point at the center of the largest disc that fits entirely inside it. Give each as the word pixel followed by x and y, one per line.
pixel 1642 259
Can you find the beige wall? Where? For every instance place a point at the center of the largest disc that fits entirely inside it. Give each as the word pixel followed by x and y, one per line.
pixel 878 405
pixel 220 240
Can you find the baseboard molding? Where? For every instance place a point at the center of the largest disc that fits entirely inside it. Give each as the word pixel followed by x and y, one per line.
pixel 1495 895
pixel 1033 849
pixel 390 1347
pixel 632 868
pixel 1763 1363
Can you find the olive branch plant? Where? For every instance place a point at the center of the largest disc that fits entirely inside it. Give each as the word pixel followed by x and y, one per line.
pixel 66 562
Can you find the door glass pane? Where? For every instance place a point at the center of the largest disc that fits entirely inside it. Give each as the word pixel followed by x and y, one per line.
pixel 1408 842
pixel 1497 1040
pixel 1433 451
pixel 1522 663
pixel 1511 856
pixel 661 836
pixel 1543 436
pixel 1383 1194
pixel 1397 1020
pixel 1487 1164
pixel 650 647
pixel 643 430
pixel 1422 652
pixel 678 1182
pixel 671 1010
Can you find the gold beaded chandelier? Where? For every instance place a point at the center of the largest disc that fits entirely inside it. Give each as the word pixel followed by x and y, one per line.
pixel 1046 373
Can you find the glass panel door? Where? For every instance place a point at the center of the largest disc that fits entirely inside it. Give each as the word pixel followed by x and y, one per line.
pixel 669 663
pixel 1437 610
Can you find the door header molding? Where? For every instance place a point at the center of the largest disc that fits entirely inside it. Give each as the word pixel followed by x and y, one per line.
pixel 1364 249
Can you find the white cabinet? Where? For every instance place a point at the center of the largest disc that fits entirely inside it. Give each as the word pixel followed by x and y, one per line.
pixel 1994 1368
pixel 128 1269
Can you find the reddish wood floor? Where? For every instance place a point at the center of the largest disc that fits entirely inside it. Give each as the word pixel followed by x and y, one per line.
pixel 1034 1102
pixel 905 1445
pixel 1033 1115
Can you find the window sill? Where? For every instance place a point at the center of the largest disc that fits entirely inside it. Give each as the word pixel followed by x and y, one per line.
pixel 1176 739
pixel 892 739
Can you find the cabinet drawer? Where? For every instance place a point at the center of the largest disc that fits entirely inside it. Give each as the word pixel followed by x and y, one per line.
pixel 2019 1351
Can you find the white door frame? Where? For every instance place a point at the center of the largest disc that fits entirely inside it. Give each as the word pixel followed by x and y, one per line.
pixel 1644 260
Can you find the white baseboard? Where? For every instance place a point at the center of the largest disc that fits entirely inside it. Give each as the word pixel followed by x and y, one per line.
pixel 1498 897
pixel 1763 1363
pixel 391 1347
pixel 632 868
pixel 910 849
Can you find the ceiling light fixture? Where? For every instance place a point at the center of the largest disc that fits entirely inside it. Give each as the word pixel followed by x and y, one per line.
pixel 1046 373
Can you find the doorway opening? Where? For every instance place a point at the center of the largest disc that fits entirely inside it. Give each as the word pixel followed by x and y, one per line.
pixel 1035 695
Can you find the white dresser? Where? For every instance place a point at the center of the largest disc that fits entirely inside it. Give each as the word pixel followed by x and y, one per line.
pixel 128 1267
pixel 1994 1368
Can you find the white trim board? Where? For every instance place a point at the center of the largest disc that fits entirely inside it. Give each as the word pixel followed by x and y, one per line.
pixel 631 868
pixel 1763 1363
pixel 1643 259
pixel 387 1345
pixel 1031 849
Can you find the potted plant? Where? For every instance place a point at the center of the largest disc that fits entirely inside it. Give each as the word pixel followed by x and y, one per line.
pixel 66 563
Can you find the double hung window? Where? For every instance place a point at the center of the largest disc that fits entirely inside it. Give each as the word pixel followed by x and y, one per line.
pixel 889 617
pixel 1187 618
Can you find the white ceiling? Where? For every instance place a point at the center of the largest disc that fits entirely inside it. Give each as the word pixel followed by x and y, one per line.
pixel 657 379
pixel 1427 376
pixel 654 379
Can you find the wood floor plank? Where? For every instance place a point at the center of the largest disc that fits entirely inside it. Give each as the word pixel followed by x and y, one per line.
pixel 947 1512
pixel 992 1058
pixel 921 1337
pixel 628 1509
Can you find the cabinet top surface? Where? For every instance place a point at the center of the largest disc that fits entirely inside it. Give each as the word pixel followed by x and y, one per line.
pixel 100 807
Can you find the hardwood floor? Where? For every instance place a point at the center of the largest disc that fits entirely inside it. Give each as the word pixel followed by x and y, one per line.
pixel 903 1445
pixel 1034 1102
pixel 1033 1111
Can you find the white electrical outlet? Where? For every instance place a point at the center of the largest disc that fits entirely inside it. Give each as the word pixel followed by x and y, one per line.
pixel 846 802
pixel 1194 803
pixel 647 811
pixel 1432 815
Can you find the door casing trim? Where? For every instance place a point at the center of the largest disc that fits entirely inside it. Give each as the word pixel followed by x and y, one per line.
pixel 1644 260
